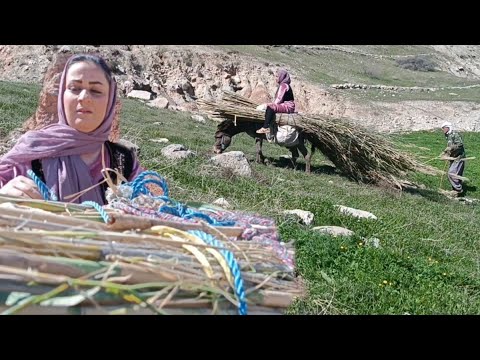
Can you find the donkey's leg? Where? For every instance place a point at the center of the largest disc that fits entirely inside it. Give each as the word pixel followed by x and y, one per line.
pixel 308 158
pixel 295 155
pixel 260 158
pixel 306 155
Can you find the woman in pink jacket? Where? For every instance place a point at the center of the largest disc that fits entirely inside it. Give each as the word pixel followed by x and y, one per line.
pixel 284 101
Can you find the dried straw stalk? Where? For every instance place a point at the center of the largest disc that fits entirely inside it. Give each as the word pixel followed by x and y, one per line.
pixel 358 153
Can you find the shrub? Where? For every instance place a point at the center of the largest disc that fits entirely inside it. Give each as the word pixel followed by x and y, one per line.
pixel 416 63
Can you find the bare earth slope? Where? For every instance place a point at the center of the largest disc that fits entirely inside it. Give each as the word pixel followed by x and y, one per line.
pixel 181 74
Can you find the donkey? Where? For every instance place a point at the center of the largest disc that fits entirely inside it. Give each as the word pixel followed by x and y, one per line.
pixel 227 129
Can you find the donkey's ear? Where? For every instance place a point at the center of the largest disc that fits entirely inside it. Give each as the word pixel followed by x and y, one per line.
pixel 224 124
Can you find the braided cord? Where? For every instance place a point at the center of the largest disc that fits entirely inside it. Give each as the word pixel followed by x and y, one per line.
pixel 232 264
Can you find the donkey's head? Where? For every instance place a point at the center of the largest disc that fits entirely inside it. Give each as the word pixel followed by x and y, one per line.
pixel 223 136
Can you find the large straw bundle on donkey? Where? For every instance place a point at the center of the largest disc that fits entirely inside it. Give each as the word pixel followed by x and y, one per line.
pixel 358 153
pixel 61 258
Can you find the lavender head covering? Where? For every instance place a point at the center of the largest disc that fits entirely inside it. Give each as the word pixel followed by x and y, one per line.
pixel 59 146
pixel 283 77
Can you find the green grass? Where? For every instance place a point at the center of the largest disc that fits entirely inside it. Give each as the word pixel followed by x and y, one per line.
pixel 423 236
pixel 445 95
pixel 17 103
pixel 429 254
pixel 389 50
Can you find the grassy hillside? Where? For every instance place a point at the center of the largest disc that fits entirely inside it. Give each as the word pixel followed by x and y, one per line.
pixel 17 103
pixel 427 262
pixel 364 64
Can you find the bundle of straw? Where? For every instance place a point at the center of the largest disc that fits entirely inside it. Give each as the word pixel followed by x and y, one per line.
pixel 360 154
pixel 58 258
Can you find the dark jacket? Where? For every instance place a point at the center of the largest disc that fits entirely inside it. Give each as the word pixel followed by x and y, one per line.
pixel 455 146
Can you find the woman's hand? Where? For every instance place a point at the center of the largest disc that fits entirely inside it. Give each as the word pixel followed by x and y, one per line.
pixel 261 107
pixel 21 186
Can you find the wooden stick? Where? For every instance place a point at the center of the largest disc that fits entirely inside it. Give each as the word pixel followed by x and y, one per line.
pixel 455 176
pixel 443 173
pixel 13 221
pixel 122 222
pixel 449 158
pixel 129 310
pixel 42 215
pixel 52 206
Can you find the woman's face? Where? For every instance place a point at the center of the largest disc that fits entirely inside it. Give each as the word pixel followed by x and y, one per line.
pixel 86 96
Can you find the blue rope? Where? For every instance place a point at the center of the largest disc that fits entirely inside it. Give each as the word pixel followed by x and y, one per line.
pixel 183 211
pixel 232 264
pixel 100 210
pixel 47 194
pixel 138 184
pixel 50 195
pixel 139 187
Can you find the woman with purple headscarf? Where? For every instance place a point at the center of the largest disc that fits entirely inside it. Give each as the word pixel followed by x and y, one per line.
pixel 284 101
pixel 67 156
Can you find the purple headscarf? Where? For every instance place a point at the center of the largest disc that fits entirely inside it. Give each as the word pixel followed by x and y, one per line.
pixel 59 146
pixel 283 77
